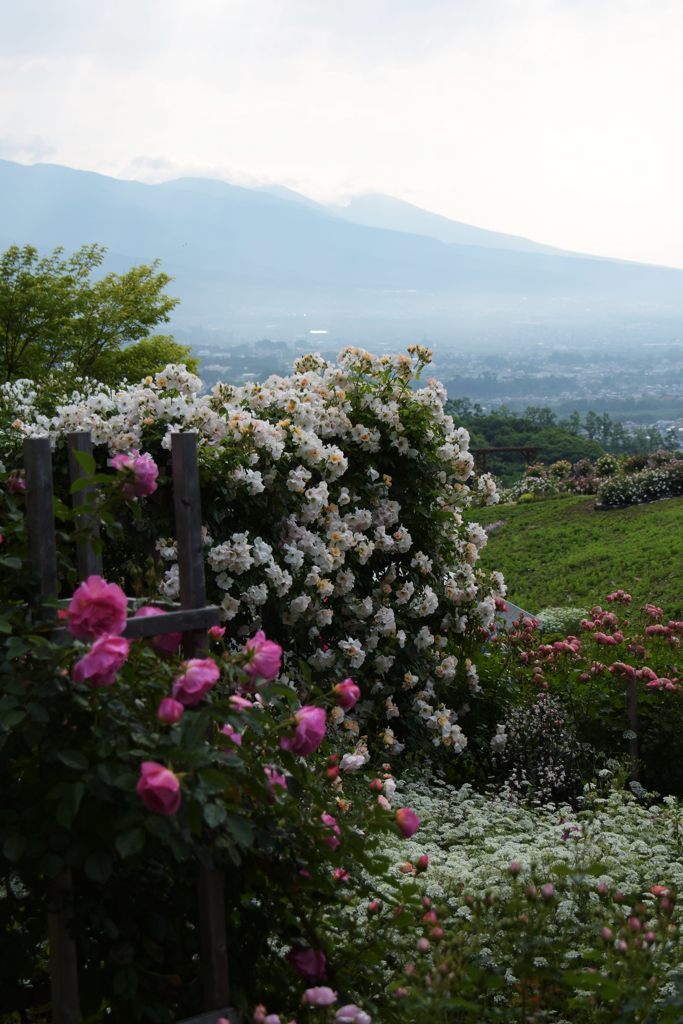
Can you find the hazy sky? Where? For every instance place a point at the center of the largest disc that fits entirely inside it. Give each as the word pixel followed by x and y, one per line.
pixel 556 119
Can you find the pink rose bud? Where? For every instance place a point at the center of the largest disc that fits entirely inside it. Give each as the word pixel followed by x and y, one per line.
pixel 426 902
pixel 158 788
pixel 547 890
pixel 437 934
pixel 376 785
pixel 15 483
pixel 606 934
pixel 373 907
pixel 309 964
pixel 407 821
pixel 170 711
pixel 347 693
pixel 217 632
pixel 515 868
pixel 240 703
pixel 622 946
pixel 233 735
pixel 430 917
pixel 97 607
pixel 602 888
pixel 422 862
pixel 400 993
pixel 140 473
pixel 100 665
pixel 634 924
pixel 260 1014
pixel 310 731
pixel 163 643
pixel 321 996
pixel 333 827
pixel 265 657
pixel 423 945
pixel 200 676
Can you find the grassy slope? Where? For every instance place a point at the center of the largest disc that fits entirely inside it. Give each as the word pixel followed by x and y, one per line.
pixel 560 551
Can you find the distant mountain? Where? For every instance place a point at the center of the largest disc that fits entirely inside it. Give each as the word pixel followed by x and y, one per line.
pixel 379 211
pixel 251 263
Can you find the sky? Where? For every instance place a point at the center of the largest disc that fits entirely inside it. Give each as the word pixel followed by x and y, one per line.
pixel 559 120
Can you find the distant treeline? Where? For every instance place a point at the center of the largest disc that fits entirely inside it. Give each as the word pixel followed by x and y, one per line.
pixel 575 437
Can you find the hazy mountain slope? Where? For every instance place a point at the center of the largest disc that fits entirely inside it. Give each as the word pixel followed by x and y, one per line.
pixel 379 211
pixel 241 257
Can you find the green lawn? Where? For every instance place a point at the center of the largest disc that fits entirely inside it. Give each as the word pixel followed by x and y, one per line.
pixel 560 551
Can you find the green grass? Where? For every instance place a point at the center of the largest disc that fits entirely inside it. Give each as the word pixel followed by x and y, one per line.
pixel 560 551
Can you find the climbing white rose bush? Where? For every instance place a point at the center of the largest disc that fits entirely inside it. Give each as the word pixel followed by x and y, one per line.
pixel 336 508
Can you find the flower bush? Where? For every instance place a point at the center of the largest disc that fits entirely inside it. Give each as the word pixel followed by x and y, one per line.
pixel 646 485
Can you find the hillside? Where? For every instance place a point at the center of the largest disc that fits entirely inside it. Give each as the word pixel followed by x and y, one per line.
pixel 259 264
pixel 561 552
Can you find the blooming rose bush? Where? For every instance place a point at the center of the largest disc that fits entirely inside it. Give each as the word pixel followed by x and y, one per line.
pixel 333 501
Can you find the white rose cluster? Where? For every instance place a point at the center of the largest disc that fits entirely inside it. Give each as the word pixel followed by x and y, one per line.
pixel 334 500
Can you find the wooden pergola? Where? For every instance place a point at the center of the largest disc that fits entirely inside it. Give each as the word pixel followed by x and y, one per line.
pixel 481 454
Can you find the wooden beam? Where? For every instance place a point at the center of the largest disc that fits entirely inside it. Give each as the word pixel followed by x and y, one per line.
pixel 89 560
pixel 40 520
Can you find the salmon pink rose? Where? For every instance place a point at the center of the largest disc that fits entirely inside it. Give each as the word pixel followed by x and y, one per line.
pixel 97 607
pixel 310 731
pixel 265 657
pixel 141 472
pixel 407 821
pixel 158 788
pixel 200 675
pixel 347 693
pixel 163 643
pixel 100 665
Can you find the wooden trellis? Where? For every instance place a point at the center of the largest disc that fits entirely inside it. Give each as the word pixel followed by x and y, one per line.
pixel 192 618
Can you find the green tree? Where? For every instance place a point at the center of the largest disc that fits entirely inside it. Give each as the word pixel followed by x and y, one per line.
pixel 148 356
pixel 53 313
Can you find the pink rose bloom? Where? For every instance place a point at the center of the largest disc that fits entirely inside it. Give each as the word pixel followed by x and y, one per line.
pixel 407 821
pixel 233 735
pixel 158 788
pixel 310 731
pixel 97 607
pixel 200 675
pixel 102 662
pixel 141 470
pixel 241 703
pixel 309 964
pixel 321 996
pixel 170 711
pixel 347 693
pixel 15 483
pixel 275 778
pixel 332 825
pixel 352 1014
pixel 217 632
pixel 163 643
pixel 265 657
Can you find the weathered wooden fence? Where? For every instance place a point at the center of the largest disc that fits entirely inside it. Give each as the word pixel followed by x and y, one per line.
pixel 192 618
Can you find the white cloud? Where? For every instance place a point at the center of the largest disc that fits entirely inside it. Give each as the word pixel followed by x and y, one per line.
pixel 556 119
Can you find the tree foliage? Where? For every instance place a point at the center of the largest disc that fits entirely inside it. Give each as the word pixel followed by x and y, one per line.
pixel 53 313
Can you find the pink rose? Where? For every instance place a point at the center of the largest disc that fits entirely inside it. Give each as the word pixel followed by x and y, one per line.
pixel 333 828
pixel 200 675
pixel 97 607
pixel 217 632
pixel 15 483
pixel 321 996
pixel 348 694
pixel 158 788
pixel 163 643
pixel 170 711
pixel 141 472
pixel 233 735
pixel 351 1014
pixel 407 821
pixel 102 662
pixel 309 964
pixel 275 778
pixel 240 703
pixel 310 731
pixel 265 657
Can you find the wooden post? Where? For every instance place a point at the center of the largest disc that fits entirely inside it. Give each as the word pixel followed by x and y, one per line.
pixel 89 561
pixel 43 548
pixel 211 882
pixel 632 710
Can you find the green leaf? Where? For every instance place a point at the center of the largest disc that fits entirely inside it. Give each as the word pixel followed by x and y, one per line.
pixel 213 780
pixel 10 561
pixel 131 842
pixel 14 847
pixel 11 717
pixel 85 460
pixel 98 867
pixel 214 814
pixel 73 759
pixel 67 809
pixel 241 829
